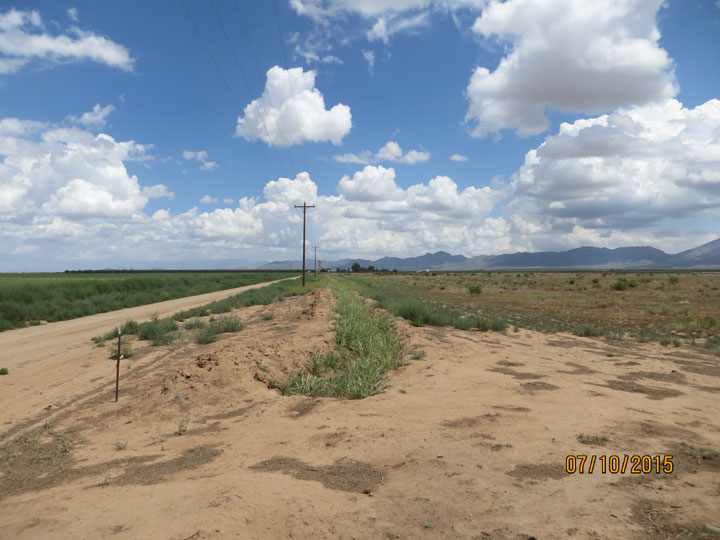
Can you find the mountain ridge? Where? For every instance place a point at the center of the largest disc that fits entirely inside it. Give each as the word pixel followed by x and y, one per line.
pixel 584 257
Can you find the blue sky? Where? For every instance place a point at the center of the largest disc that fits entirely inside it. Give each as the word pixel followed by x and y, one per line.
pixel 470 126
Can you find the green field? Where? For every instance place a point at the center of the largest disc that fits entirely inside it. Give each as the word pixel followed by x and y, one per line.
pixel 27 299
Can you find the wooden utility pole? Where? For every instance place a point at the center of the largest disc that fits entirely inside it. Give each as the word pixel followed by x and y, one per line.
pixel 304 206
pixel 315 265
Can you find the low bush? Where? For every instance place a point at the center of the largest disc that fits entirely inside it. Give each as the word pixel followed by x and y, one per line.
pixel 220 325
pixel 194 324
pixel 125 351
pixel 158 331
pixel 588 330
pixel 475 288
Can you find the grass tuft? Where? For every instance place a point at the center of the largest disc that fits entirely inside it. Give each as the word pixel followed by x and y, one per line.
pixel 220 325
pixel 365 349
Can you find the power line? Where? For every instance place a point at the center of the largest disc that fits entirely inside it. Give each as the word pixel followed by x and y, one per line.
pixel 247 85
pixel 227 85
pixel 261 75
pixel 292 92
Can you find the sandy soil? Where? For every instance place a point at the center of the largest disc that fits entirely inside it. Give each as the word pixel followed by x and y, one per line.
pixel 469 441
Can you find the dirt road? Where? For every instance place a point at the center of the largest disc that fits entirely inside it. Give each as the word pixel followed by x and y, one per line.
pixel 41 358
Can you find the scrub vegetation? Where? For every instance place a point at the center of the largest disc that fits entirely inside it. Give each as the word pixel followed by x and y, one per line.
pixel 671 308
pixel 27 299
pixel 165 331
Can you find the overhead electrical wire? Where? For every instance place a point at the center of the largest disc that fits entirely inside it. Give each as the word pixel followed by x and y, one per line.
pixel 247 85
pixel 230 90
pixel 260 73
pixel 292 93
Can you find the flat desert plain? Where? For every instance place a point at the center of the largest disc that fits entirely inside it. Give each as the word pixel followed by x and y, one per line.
pixel 469 440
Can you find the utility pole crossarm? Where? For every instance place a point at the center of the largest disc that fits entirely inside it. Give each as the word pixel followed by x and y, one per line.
pixel 304 206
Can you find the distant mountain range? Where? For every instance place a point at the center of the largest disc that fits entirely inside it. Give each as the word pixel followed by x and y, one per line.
pixel 640 257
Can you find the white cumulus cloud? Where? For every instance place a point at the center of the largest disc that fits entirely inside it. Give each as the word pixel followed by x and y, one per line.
pixel 459 158
pixel 207 199
pixel 96 118
pixel 619 175
pixel 23 38
pixel 391 151
pixel 201 156
pixel 567 55
pixel 61 173
pixel 370 184
pixel 292 110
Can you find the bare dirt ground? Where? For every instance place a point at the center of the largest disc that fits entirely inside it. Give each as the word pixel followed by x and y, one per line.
pixel 470 441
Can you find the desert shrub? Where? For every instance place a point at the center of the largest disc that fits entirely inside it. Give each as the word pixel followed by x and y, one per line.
pixel 206 335
pixel 588 330
pixel 464 323
pixel 227 324
pixel 620 285
pixel 474 288
pixel 194 324
pixel 673 279
pixel 482 324
pixel 158 331
pixel 125 351
pixel 4 371
pixel 221 325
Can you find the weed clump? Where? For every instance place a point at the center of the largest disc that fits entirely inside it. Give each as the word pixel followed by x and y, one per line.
pixel 475 288
pixel 158 331
pixel 588 330
pixel 209 332
pixel 4 371
pixel 125 351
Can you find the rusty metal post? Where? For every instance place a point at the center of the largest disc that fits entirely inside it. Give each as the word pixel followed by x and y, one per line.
pixel 117 368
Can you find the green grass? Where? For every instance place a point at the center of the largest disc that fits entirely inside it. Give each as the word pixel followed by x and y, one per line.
pixel 29 298
pixel 130 327
pixel 588 330
pixel 365 348
pixel 222 325
pixel 194 324
pixel 260 296
pixel 158 331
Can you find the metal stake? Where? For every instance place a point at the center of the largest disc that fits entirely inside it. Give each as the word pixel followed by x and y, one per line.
pixel 117 368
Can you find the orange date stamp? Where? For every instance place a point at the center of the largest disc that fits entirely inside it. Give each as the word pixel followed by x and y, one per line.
pixel 619 464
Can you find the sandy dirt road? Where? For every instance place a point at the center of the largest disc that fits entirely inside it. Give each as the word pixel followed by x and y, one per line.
pixel 48 356
pixel 469 442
